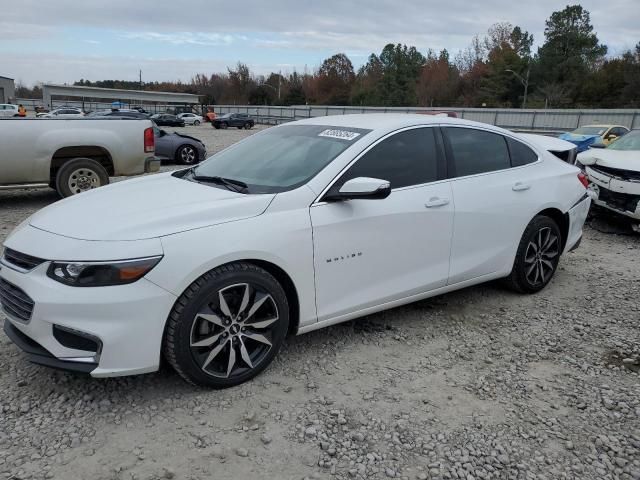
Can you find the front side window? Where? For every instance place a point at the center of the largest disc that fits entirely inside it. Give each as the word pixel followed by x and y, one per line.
pixel 280 158
pixel 406 158
pixel 476 151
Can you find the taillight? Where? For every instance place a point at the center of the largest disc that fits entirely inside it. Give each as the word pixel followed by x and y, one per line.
pixel 149 140
pixel 583 179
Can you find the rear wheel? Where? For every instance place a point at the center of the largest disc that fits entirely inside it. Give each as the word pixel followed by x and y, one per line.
pixel 227 326
pixel 537 256
pixel 80 175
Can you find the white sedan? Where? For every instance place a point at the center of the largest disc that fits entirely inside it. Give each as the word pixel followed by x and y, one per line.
pixel 191 118
pixel 296 228
pixel 64 112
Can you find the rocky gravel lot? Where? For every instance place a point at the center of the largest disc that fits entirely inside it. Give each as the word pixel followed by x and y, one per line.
pixel 477 384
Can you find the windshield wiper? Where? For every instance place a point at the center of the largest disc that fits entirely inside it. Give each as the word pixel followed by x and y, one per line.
pixel 230 183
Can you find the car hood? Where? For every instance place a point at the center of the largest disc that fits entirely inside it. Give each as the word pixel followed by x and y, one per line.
pixel 620 159
pixel 187 136
pixel 147 207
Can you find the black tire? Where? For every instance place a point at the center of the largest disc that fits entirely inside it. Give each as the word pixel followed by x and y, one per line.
pixel 534 267
pixel 196 122
pixel 216 126
pixel 240 127
pixel 224 125
pixel 88 173
pixel 248 125
pixel 185 324
pixel 187 155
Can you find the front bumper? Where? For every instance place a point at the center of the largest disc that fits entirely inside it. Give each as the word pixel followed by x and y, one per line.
pixel 577 216
pixel 127 322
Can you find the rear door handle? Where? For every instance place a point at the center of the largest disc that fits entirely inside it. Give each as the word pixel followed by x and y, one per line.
pixel 520 187
pixel 436 202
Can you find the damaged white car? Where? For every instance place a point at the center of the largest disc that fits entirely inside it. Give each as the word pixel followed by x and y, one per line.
pixel 614 176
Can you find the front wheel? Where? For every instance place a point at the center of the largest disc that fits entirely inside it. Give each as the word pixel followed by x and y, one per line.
pixel 227 326
pixel 196 122
pixel 248 125
pixel 537 256
pixel 80 175
pixel 187 155
pixel 224 125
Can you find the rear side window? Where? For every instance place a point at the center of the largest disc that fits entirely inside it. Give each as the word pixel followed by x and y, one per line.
pixel 520 153
pixel 476 151
pixel 406 158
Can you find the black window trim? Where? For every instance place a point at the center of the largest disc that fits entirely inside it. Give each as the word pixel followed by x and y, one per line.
pixel 451 167
pixel 441 162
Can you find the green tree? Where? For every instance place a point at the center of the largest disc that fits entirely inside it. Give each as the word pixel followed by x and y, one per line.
pixel 571 49
pixel 401 69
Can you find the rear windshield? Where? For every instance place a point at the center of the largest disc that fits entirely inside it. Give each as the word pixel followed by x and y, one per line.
pixel 589 131
pixel 281 158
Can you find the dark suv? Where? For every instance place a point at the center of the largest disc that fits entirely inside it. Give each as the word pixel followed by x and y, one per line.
pixel 240 120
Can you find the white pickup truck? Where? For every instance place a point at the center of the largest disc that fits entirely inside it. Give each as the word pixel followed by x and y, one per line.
pixel 73 155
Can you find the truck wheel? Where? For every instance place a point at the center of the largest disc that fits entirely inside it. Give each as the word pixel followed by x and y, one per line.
pixel 79 175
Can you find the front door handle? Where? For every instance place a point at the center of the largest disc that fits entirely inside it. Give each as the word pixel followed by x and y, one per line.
pixel 520 187
pixel 436 202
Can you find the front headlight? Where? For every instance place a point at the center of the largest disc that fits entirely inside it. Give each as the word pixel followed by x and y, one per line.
pixel 101 274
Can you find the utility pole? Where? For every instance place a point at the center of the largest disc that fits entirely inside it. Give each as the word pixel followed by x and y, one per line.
pixel 140 79
pixel 279 80
pixel 525 83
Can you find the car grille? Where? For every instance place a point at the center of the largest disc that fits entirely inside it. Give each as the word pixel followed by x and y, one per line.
pixel 617 173
pixel 620 201
pixel 15 302
pixel 21 260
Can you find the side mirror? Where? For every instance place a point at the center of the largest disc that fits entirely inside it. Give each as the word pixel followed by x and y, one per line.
pixel 364 188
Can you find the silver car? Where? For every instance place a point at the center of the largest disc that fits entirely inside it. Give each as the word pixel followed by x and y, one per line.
pixel 179 148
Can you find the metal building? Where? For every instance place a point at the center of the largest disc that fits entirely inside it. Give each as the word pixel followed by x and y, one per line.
pixel 81 96
pixel 7 90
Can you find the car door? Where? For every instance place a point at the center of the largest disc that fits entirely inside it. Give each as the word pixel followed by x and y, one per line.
pixel 496 191
pixel 370 252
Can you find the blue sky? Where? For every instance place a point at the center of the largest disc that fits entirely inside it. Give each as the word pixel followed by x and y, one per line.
pixel 65 40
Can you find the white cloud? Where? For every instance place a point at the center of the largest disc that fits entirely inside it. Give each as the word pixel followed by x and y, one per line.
pixel 183 38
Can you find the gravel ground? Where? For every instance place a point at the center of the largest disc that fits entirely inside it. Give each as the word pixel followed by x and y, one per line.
pixel 476 384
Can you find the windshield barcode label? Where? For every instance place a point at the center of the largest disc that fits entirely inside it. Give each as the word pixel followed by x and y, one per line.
pixel 341 134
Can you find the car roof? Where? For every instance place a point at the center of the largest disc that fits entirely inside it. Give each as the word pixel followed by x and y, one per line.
pixel 603 125
pixel 391 121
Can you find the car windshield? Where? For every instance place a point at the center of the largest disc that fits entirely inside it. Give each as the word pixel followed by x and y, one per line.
pixel 589 131
pixel 631 141
pixel 280 158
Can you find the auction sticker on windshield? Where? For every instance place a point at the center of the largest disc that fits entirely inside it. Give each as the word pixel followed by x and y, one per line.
pixel 341 134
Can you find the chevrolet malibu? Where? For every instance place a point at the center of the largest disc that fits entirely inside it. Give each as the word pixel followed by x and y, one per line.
pixel 296 228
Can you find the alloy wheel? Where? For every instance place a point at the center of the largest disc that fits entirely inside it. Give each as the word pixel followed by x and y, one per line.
pixel 541 255
pixel 233 332
pixel 188 155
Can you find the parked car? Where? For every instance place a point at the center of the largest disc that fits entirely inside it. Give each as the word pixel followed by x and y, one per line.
pixel 167 120
pixel 8 110
pixel 588 135
pixel 179 148
pixel 64 112
pixel 240 120
pixel 73 155
pixel 191 118
pixel 140 109
pixel 614 176
pixel 119 114
pixel 296 228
